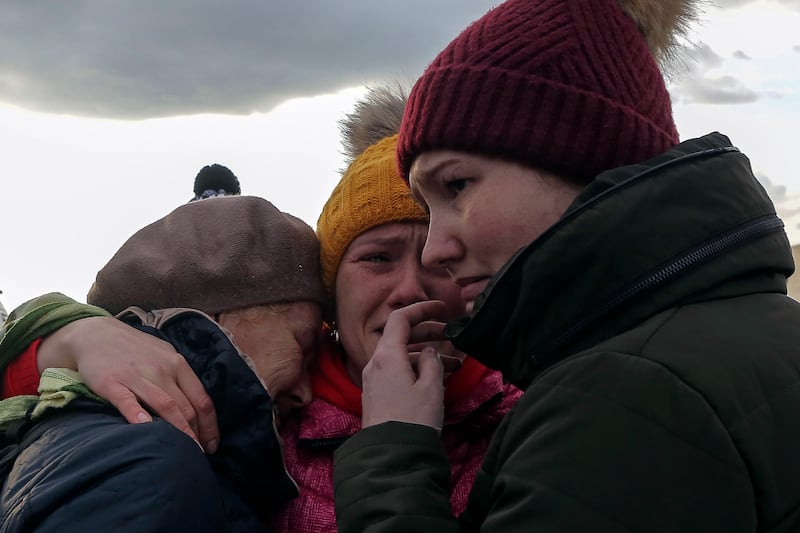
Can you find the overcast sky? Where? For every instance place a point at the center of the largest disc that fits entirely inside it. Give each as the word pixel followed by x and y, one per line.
pixel 155 58
pixel 108 108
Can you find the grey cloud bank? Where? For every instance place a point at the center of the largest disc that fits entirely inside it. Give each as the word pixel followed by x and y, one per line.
pixel 147 59
pixel 121 59
pixel 697 85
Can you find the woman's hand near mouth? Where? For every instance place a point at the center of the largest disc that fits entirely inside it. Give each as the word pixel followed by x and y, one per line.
pixel 394 386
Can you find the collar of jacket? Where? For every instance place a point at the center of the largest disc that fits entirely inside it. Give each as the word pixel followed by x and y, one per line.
pixel 689 225
pixel 250 452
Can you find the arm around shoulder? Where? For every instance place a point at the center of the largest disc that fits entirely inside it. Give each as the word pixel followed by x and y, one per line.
pixel 37 318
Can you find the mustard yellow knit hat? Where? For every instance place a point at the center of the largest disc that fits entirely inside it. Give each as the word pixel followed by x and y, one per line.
pixel 371 191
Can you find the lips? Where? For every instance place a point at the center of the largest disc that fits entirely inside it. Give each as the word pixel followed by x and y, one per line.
pixel 471 288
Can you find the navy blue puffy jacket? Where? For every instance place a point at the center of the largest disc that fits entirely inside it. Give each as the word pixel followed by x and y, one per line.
pixel 83 468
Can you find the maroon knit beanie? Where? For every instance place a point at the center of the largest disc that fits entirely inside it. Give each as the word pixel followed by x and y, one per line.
pixel 217 254
pixel 568 86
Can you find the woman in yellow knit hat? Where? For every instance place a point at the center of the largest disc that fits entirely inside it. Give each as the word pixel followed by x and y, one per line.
pixel 371 234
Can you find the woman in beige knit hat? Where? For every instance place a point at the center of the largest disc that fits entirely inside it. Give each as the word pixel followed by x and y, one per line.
pixel 233 285
pixel 633 285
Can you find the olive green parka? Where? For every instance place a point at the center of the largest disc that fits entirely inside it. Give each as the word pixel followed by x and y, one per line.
pixel 660 359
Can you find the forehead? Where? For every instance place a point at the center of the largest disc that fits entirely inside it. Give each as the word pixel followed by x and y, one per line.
pixel 294 314
pixel 429 164
pixel 304 315
pixel 393 233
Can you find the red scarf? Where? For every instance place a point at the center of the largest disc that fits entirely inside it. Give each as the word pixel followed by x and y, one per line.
pixel 330 381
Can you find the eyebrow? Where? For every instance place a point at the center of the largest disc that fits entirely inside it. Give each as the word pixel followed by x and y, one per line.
pixel 425 175
pixel 382 241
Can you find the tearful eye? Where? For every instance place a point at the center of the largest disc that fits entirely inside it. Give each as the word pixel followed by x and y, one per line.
pixel 456 185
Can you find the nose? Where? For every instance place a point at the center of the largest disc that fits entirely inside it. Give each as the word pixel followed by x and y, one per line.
pixel 300 394
pixel 441 248
pixel 409 285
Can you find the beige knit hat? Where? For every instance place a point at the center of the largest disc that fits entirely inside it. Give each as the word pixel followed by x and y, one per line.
pixel 214 255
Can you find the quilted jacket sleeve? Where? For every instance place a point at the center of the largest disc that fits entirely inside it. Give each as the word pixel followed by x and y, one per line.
pixel 86 469
pixel 37 318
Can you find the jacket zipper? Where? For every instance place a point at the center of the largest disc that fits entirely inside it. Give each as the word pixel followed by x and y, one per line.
pixel 752 230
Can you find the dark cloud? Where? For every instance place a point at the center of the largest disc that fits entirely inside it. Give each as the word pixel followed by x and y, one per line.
pixel 696 84
pixel 117 58
pixel 738 54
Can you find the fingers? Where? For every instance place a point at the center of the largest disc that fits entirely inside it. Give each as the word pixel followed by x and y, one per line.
pixel 126 403
pixel 203 408
pixel 429 368
pixel 450 363
pixel 398 328
pixel 428 331
pixel 404 394
pixel 172 406
pixel 402 386
pixel 168 402
pixel 407 325
pixel 132 369
pixel 430 373
pixel 169 398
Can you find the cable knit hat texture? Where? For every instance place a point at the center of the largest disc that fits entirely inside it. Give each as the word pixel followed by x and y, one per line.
pixel 370 192
pixel 214 255
pixel 568 86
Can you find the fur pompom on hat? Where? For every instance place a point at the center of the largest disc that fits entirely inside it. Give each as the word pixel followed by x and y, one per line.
pixel 215 255
pixel 370 192
pixel 568 86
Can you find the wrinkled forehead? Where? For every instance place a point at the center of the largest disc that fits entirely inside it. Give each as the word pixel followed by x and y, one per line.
pixel 300 313
pixel 391 234
pixel 305 315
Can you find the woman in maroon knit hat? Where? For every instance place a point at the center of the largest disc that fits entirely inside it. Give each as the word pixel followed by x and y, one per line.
pixel 632 285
